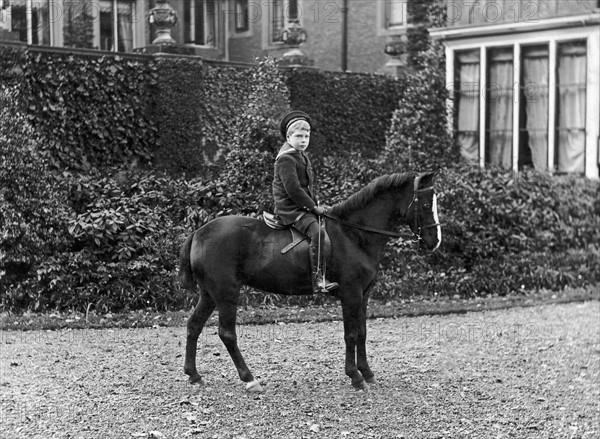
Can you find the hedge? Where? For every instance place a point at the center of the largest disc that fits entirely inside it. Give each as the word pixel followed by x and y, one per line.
pixel 92 111
pixel 504 232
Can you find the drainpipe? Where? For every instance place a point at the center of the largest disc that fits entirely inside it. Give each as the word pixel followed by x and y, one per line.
pixel 344 35
pixel 226 31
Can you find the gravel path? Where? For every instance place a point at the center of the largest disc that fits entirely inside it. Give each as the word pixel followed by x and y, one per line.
pixel 523 372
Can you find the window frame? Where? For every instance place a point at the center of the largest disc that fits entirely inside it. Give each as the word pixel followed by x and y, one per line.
pixel 552 40
pixel 388 4
pixel 269 29
pixel 30 18
pixel 241 8
pixel 383 12
pixel 193 15
pixel 135 24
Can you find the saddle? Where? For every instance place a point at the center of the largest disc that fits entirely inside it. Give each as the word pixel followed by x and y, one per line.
pixel 274 223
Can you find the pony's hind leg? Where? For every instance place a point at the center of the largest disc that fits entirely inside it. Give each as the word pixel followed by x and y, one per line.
pixel 228 335
pixel 202 312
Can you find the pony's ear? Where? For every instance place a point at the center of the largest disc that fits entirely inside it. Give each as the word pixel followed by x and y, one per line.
pixel 427 179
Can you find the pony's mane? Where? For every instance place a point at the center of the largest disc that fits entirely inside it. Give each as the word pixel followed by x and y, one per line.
pixel 360 199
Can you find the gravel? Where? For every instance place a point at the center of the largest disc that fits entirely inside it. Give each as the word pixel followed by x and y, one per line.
pixel 521 372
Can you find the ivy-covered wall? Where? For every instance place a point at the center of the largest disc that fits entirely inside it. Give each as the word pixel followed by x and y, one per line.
pixel 93 111
pixel 181 114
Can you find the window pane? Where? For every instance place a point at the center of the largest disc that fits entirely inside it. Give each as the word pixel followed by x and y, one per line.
pixel 210 31
pixel 241 15
pixel 396 12
pixel 467 103
pixel 292 12
pixel 106 26
pixel 38 22
pixel 19 21
pixel 571 95
pixel 199 22
pixel 499 97
pixel 78 29
pixel 533 124
pixel 187 21
pixel 125 15
pixel 277 20
pixel 198 28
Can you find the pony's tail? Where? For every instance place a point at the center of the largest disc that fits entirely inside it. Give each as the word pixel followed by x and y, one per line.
pixel 186 276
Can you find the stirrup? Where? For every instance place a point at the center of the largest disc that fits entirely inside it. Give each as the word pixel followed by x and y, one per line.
pixel 324 286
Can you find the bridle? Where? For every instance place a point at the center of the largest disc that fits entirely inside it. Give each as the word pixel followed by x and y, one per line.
pixel 418 227
pixel 417 230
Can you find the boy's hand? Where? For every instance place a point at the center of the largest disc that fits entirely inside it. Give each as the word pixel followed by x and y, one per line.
pixel 318 210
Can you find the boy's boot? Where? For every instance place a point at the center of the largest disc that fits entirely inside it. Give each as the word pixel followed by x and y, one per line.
pixel 319 283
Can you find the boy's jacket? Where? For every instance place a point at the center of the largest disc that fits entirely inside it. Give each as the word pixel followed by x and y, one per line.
pixel 292 185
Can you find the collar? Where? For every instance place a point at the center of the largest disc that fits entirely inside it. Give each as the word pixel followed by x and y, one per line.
pixel 286 149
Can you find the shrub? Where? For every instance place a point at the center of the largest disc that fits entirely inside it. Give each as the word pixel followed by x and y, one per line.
pixel 32 208
pixel 504 232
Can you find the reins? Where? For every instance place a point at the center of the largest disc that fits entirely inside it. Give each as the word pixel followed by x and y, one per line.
pixel 364 228
pixel 418 227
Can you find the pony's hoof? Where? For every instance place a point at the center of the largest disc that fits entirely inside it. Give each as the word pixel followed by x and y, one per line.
pixel 197 380
pixel 254 387
pixel 361 386
pixel 371 380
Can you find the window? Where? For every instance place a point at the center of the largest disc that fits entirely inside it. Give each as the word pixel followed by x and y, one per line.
pixel 544 126
pixel 113 31
pixel 571 96
pixel 30 20
pixel 242 20
pixel 533 115
pixel 467 103
pixel 499 97
pixel 396 13
pixel 281 12
pixel 200 22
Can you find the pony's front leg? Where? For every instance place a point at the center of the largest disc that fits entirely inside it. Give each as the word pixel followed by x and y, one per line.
pixel 195 323
pixel 351 313
pixel 361 348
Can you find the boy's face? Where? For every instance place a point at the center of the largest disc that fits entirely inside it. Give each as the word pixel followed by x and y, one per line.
pixel 299 139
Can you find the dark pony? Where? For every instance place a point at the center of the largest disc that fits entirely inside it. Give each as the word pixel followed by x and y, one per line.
pixel 232 251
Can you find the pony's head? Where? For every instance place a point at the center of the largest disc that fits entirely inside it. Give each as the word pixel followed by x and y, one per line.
pixel 423 216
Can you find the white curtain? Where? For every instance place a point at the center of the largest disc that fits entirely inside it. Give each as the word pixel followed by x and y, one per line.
pixel 41 19
pixel 468 104
pixel 535 98
pixel 500 107
pixel 572 66
pixel 125 29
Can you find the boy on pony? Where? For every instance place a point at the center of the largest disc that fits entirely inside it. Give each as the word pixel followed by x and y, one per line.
pixel 295 200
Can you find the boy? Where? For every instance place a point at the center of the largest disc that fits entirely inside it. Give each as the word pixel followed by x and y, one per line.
pixel 294 195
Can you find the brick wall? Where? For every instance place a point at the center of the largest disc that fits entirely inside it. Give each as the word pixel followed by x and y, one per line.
pixel 478 12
